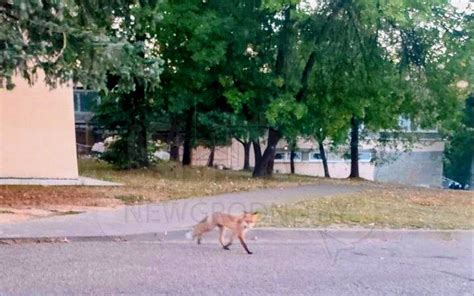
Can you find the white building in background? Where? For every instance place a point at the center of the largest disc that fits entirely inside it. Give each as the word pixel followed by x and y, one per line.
pixel 421 166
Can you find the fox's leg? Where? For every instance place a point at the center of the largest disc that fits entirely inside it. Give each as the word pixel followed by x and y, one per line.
pixel 221 237
pixel 199 236
pixel 241 238
pixel 226 246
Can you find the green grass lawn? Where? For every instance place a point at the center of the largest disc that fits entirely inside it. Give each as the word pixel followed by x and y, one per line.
pixel 389 207
pixel 379 205
pixel 160 182
pixel 171 180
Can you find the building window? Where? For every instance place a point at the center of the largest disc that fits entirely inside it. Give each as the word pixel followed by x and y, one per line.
pixel 404 123
pixel 285 156
pixel 85 100
pixel 298 156
pixel 365 156
pixel 280 156
pixel 314 156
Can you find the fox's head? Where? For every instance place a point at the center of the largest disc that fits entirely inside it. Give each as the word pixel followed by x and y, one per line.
pixel 249 219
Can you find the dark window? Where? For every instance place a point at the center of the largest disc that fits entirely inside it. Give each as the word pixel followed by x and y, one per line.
pixel 298 156
pixel 280 156
pixel 85 100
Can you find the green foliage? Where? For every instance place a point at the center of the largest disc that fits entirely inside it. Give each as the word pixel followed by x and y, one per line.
pixel 213 54
pixel 459 150
pixel 458 157
pixel 81 41
pixel 117 155
pixel 214 129
pixel 192 44
pixel 223 69
pixel 128 107
pixel 376 62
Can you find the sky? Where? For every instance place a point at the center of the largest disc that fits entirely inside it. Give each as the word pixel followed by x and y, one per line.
pixel 462 5
pixel 465 5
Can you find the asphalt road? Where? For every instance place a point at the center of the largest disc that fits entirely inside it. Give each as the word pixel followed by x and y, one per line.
pixel 284 262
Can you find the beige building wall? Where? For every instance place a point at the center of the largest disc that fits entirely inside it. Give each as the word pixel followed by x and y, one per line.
pixel 37 138
pixel 231 157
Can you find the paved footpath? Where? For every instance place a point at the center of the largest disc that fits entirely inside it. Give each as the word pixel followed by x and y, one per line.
pixel 165 216
pixel 285 262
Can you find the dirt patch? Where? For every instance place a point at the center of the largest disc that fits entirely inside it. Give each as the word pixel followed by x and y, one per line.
pixel 35 196
pixel 20 214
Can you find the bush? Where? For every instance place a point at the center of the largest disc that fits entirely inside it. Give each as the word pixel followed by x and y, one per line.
pixel 117 153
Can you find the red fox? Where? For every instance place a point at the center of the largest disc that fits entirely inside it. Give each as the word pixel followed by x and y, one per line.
pixel 237 224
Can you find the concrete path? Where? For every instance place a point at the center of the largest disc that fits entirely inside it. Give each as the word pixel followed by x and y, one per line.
pixel 81 181
pixel 285 262
pixel 166 216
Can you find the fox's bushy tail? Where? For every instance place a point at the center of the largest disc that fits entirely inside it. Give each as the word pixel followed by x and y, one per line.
pixel 198 230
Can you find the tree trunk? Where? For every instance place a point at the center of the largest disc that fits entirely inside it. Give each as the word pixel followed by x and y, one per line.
pixel 292 161
pixel 137 133
pixel 188 137
pixel 143 141
pixel 323 158
pixel 257 151
pixel 304 81
pixel 247 155
pixel 173 140
pixel 210 161
pixel 264 167
pixel 174 150
pixel 354 148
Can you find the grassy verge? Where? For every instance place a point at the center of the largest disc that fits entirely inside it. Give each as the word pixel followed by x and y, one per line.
pixel 391 207
pixel 171 181
pixel 161 182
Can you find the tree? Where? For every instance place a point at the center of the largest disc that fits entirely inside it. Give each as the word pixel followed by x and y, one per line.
pixel 246 144
pixel 243 75
pixel 128 102
pixel 460 147
pixel 282 80
pixel 381 63
pixel 193 39
pixel 212 131
pixel 104 45
pixel 297 30
pixel 68 40
pixel 324 120
pixel 293 147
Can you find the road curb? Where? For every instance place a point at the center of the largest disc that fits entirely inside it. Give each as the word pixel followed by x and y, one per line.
pixel 266 233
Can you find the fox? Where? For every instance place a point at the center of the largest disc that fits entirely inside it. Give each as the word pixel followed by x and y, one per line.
pixel 238 224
